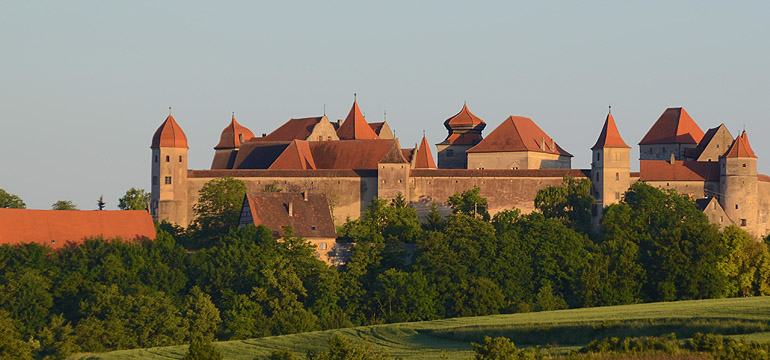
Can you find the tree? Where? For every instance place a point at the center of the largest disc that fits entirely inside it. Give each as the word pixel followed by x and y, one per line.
pixel 218 207
pixel 100 203
pixel 201 321
pixel 470 203
pixel 499 348
pixel 344 348
pixel 11 345
pixel 64 205
pixel 404 296
pixel 134 199
pixel 11 201
pixel 571 202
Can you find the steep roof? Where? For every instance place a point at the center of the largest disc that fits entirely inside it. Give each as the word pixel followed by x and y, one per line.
pixel 296 156
pixel 518 133
pixel 169 134
pixel 309 219
pixel 355 126
pixel 741 148
pixel 56 228
pixel 232 135
pixel 674 126
pixel 298 129
pixel 464 117
pixel 424 158
pixel 610 137
pixel 257 154
pixel 338 155
pixel 662 170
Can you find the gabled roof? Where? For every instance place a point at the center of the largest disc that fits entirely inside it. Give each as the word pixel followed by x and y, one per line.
pixel 741 148
pixel 409 153
pixel 464 117
pixel 232 135
pixel 424 158
pixel 294 129
pixel 610 137
pixel 662 170
pixel 296 156
pixel 258 154
pixel 169 134
pixel 674 126
pixel 355 126
pixel 310 218
pixel 56 228
pixel 518 133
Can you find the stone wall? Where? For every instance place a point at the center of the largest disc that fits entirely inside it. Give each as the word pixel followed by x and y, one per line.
pixel 517 160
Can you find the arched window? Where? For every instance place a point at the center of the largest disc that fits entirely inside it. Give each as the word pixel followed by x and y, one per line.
pixel 180 158
pixel 617 176
pixel 168 158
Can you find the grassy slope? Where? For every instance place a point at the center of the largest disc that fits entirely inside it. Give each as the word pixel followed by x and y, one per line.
pixel 426 340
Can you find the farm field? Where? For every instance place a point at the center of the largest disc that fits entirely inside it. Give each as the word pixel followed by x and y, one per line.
pixel 747 318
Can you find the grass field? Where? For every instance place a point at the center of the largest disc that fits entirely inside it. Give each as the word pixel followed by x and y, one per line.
pixel 564 329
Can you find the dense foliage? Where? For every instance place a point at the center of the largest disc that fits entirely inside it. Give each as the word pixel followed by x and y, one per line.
pixel 238 283
pixel 10 201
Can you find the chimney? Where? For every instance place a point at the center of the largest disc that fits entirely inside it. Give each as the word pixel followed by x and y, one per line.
pixel 672 158
pixel 542 143
pixel 304 195
pixel 291 209
pixel 553 145
pixel 264 134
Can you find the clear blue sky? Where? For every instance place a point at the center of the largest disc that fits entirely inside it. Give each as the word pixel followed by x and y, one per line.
pixel 85 84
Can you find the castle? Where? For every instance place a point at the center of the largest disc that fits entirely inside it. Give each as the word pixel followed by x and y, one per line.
pixel 353 161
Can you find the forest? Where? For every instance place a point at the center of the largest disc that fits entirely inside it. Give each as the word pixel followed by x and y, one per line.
pixel 215 281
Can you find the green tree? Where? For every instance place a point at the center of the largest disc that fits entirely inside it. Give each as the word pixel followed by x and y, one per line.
pixel 26 293
pixel 745 264
pixel 64 205
pixel 434 219
pixel 201 322
pixel 470 203
pixel 100 202
pixel 10 201
pixel 404 296
pixel 57 340
pixel 11 345
pixel 499 348
pixel 345 348
pixel 571 202
pixel 134 199
pixel 218 207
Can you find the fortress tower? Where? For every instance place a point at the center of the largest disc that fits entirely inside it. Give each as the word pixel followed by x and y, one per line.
pixel 229 143
pixel 739 184
pixel 464 133
pixel 169 173
pixel 610 167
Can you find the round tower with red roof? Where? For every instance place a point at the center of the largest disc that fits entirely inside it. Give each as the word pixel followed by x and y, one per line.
pixel 464 133
pixel 169 173
pixel 739 184
pixel 610 168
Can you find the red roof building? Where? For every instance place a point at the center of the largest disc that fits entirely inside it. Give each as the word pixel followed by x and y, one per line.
pixel 464 128
pixel 233 135
pixel 741 148
pixel 674 126
pixel 169 134
pixel 57 228
pixel 423 157
pixel 610 137
pixel 518 133
pixel 355 126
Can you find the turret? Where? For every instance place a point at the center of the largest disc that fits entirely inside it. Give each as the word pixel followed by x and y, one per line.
pixel 355 126
pixel 169 173
pixel 229 143
pixel 738 184
pixel 610 168
pixel 464 133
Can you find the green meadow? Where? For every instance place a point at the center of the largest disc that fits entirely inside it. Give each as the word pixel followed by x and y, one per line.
pixel 561 330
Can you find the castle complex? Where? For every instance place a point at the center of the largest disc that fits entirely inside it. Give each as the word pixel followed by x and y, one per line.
pixel 353 161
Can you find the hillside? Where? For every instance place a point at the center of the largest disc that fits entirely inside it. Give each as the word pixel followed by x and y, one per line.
pixel 745 317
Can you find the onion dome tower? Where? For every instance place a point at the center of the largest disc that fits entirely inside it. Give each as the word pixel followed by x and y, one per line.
pixel 464 133
pixel 610 167
pixel 169 173
pixel 229 143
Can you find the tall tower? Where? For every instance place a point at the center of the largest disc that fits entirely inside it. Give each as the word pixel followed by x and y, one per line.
pixel 738 184
pixel 169 173
pixel 464 133
pixel 610 168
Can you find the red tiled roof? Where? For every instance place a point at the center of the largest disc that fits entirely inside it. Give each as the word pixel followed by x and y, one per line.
pixel 518 133
pixel 56 228
pixel 232 134
pixel 293 173
pixel 424 157
pixel 741 148
pixel 464 117
pixel 763 178
pixel 355 126
pixel 673 126
pixel 309 219
pixel 662 170
pixel 376 126
pixel 408 153
pixel 501 173
pixel 610 137
pixel 296 156
pixel 294 129
pixel 169 134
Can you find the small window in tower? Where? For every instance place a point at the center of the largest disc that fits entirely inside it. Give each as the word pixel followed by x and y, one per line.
pixel 717 146
pixel 180 158
pixel 320 137
pixel 156 158
pixel 617 176
pixel 598 156
pixel 155 180
pixel 168 158
pixel 329 138
pixel 736 206
pixel 168 180
pixel 743 222
pixel 744 165
pixel 617 196
pixel 450 153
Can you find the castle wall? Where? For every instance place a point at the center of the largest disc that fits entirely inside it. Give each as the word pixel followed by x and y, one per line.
pixel 518 160
pixel 664 151
pixel 763 220
pixel 348 192
pixel 693 188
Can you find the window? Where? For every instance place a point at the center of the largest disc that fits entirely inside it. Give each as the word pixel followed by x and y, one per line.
pixel 717 146
pixel 240 138
pixel 168 180
pixel 617 176
pixel 450 153
pixel 322 246
pixel 312 228
pixel 155 180
pixel 53 241
pixel 180 158
pixel 329 138
pixel 320 138
pixel 168 158
pixel 744 165
pixel 598 156
pixel 617 196
pixel 743 222
pixel 156 158
pixel 736 206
